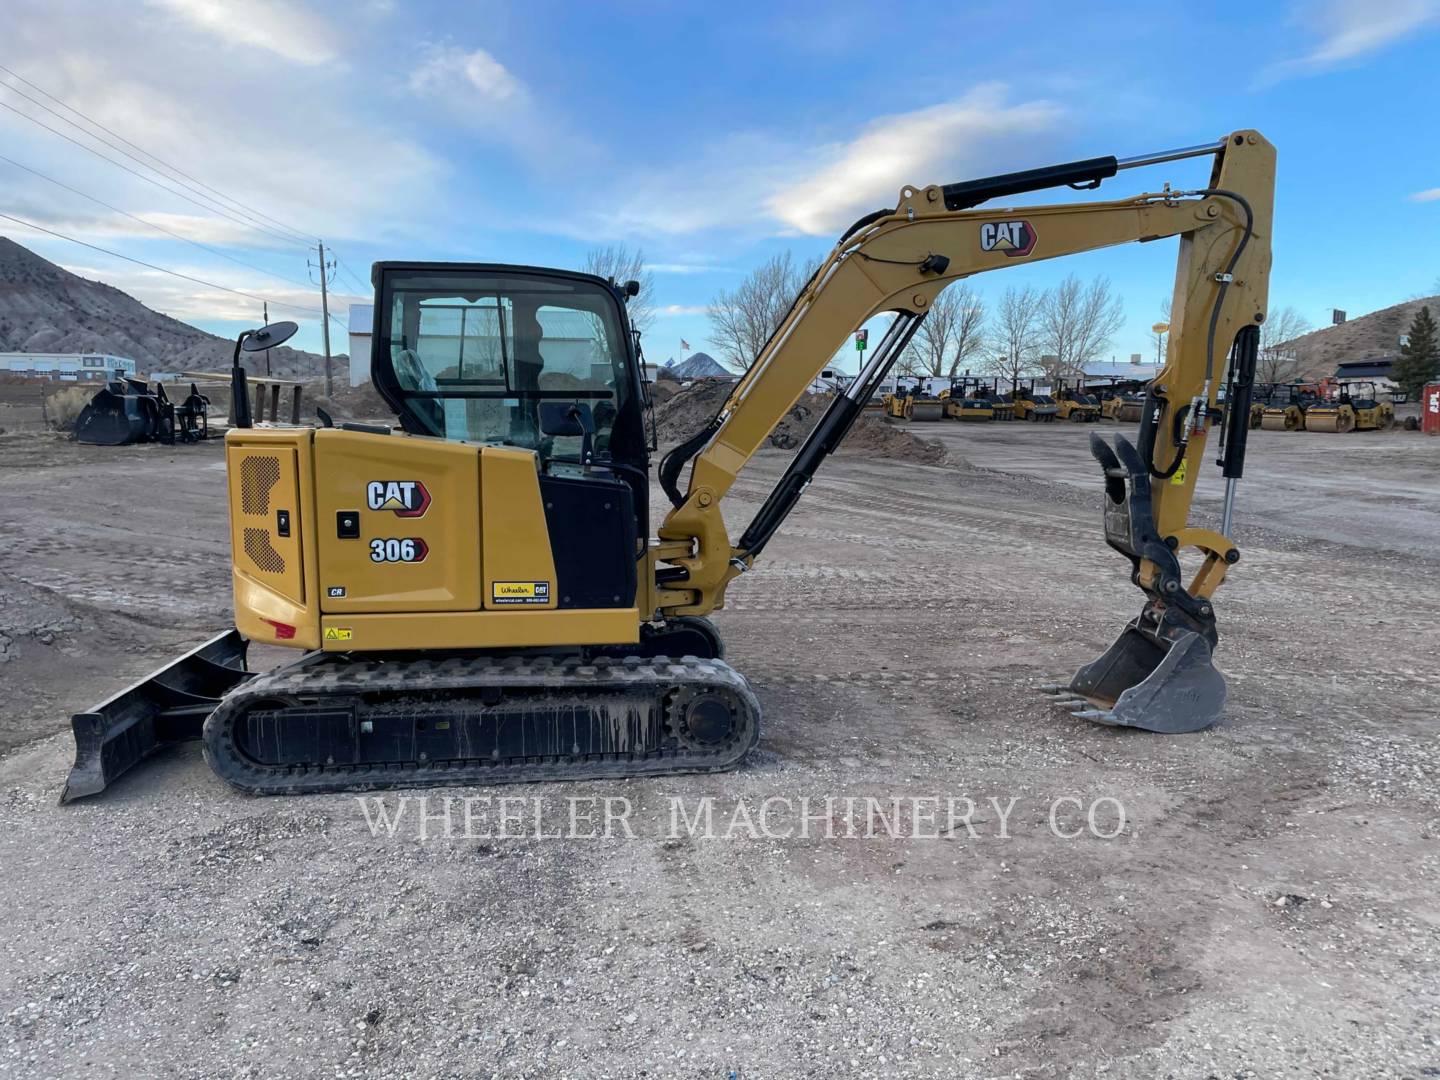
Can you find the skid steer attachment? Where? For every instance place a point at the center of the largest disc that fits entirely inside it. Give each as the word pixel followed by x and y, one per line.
pixel 1158 674
pixel 167 707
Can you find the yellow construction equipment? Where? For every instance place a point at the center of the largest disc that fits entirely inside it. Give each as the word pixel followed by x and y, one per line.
pixel 479 596
pixel 914 401
pixel 1356 407
pixel 967 398
pixel 1033 406
pixel 1286 406
pixel 1073 403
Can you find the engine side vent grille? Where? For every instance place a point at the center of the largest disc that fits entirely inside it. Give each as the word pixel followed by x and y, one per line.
pixel 262 553
pixel 257 476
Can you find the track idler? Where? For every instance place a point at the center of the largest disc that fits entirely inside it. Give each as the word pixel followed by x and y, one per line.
pixel 1158 675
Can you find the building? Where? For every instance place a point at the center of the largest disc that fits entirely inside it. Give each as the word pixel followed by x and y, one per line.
pixel 1376 370
pixel 362 319
pixel 67 367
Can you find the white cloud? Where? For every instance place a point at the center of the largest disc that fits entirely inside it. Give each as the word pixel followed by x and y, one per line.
pixel 476 74
pixel 683 268
pixel 190 302
pixel 742 186
pixel 1349 29
pixel 929 145
pixel 218 124
pixel 1429 195
pixel 674 310
pixel 288 30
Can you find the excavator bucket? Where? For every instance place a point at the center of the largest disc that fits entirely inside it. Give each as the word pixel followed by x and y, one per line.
pixel 1146 681
pixel 167 707
pixel 1158 674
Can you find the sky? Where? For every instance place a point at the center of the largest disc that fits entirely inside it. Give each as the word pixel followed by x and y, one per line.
pixel 708 136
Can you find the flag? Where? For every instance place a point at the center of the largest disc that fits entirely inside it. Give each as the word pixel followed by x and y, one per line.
pixel 684 344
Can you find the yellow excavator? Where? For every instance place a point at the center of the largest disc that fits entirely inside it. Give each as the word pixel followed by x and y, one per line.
pixel 480 596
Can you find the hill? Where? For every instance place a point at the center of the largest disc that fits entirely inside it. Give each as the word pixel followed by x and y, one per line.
pixel 1368 337
pixel 698 366
pixel 45 308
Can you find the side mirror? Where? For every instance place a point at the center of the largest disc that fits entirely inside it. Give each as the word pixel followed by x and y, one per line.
pixel 566 418
pixel 570 419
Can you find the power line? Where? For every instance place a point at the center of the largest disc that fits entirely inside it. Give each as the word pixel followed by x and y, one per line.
pixel 248 211
pixel 151 224
pixel 365 290
pixel 148 179
pixel 161 269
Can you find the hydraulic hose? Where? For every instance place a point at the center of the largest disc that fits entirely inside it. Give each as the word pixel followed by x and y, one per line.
pixel 1200 406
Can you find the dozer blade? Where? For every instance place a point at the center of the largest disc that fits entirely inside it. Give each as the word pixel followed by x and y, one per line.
pixel 167 707
pixel 1158 674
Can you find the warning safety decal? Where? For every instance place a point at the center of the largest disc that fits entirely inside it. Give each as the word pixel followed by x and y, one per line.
pixel 520 592
pixel 339 633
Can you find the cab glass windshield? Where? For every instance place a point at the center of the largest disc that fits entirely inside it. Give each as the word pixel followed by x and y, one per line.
pixel 475 353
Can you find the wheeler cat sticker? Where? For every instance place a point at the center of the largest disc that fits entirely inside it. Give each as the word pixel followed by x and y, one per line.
pixel 1015 238
pixel 520 592
pixel 406 498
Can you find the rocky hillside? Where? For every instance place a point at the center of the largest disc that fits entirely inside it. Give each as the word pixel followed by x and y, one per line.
pixel 44 308
pixel 1368 337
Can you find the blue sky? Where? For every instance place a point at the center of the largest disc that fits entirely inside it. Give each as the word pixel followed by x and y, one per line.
pixel 710 136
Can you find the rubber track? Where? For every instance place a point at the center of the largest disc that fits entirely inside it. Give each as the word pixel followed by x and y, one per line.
pixel 652 679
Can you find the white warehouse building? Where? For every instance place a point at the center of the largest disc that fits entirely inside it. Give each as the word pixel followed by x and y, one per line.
pixel 67 367
pixel 362 318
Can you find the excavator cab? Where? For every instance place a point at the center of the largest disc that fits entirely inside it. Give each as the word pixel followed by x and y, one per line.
pixel 472 352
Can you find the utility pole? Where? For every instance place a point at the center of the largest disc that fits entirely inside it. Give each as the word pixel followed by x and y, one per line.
pixel 325 319
pixel 267 323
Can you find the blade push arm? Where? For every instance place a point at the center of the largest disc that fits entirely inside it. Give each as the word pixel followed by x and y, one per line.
pixel 898 261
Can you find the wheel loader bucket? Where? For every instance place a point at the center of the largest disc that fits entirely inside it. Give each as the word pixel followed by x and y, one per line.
pixel 116 416
pixel 167 707
pixel 1146 681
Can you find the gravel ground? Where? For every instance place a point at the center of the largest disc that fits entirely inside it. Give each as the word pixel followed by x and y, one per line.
pixel 1266 907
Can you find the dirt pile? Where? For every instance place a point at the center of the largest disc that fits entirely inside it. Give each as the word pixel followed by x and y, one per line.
pixel 689 410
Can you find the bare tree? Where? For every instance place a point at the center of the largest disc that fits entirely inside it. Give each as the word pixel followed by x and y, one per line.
pixel 1277 362
pixel 742 319
pixel 1013 335
pixel 1077 321
pixel 618 263
pixel 950 334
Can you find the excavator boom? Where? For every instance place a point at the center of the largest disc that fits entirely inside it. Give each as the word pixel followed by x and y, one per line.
pixel 897 261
